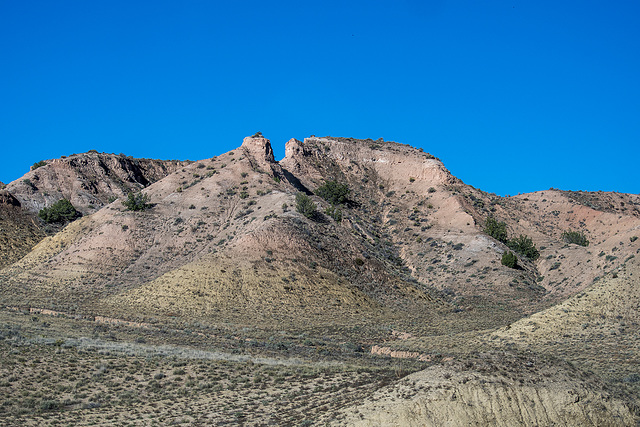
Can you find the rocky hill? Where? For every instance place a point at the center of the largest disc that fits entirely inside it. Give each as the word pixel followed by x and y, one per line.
pixel 19 230
pixel 401 265
pixel 89 180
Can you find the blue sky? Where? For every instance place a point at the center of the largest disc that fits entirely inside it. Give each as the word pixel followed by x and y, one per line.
pixel 513 96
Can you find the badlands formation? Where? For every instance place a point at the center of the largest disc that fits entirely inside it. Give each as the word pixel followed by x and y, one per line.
pixel 389 305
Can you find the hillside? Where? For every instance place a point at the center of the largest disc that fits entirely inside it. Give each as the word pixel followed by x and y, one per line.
pixel 399 274
pixel 19 231
pixel 89 180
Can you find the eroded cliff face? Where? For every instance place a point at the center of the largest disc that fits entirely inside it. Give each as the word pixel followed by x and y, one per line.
pixel 516 392
pixel 7 199
pixel 19 230
pixel 89 180
pixel 397 163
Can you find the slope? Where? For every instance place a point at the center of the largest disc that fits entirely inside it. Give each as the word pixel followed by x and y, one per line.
pixel 19 231
pixel 87 180
pixel 175 258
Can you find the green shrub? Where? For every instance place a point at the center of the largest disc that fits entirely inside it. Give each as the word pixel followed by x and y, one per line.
pixel 509 259
pixel 136 202
pixel 524 245
pixel 305 205
pixel 575 237
pixel 39 164
pixel 333 192
pixel 495 229
pixel 61 211
pixel 28 182
pixel 334 212
pixel 49 405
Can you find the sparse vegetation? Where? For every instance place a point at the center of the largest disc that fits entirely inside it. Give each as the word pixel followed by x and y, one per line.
pixel 509 259
pixel 521 244
pixel 236 311
pixel 333 192
pixel 137 201
pixel 305 205
pixel 575 237
pixel 334 212
pixel 39 164
pixel 495 229
pixel 524 245
pixel 29 184
pixel 60 212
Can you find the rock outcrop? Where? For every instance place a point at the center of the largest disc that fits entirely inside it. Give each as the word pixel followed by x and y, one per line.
pixel 88 180
pixel 7 199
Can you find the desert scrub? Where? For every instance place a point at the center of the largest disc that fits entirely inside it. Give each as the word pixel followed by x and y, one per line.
pixel 575 237
pixel 305 205
pixel 495 229
pixel 333 192
pixel 60 212
pixel 509 259
pixel 334 212
pixel 39 164
pixel 524 245
pixel 136 202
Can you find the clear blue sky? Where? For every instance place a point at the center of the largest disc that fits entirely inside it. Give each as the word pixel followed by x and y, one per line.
pixel 513 96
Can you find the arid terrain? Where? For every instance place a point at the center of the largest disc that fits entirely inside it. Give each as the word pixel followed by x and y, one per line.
pixel 354 282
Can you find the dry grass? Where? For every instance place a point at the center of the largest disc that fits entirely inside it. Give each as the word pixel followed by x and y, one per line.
pixel 107 380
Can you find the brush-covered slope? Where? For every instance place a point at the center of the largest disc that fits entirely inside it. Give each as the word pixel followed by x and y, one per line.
pixel 406 265
pixel 597 329
pixel 610 221
pixel 222 239
pixel 493 390
pixel 87 180
pixel 408 200
pixel 19 231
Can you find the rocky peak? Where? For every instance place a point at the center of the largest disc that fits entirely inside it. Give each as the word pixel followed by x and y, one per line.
pixel 395 161
pixel 259 148
pixel 293 148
